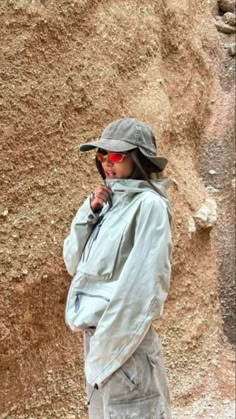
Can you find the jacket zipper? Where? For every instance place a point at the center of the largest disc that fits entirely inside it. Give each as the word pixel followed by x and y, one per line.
pixel 92 240
pixel 97 231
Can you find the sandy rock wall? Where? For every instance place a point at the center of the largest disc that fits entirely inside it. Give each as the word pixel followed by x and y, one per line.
pixel 67 69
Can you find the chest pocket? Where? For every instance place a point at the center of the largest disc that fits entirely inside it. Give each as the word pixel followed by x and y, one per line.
pixel 102 250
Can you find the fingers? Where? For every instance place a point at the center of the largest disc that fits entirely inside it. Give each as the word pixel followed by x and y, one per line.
pixel 102 192
pixel 101 196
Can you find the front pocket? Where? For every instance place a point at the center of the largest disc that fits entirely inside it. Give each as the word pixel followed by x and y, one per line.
pixel 151 407
pixel 86 302
pixel 91 308
pixel 93 296
pixel 102 250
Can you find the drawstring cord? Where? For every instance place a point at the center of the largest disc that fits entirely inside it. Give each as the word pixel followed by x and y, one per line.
pixel 90 398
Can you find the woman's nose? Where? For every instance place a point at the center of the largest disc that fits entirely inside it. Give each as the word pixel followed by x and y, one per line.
pixel 108 162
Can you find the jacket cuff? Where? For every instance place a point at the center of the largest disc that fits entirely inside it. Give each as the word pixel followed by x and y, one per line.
pixel 86 214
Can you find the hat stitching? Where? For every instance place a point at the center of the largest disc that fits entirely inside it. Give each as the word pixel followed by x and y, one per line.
pixel 138 134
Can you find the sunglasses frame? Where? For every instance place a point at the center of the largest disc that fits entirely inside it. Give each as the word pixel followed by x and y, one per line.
pixel 105 156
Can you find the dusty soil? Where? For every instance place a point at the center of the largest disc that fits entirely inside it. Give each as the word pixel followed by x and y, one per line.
pixel 67 69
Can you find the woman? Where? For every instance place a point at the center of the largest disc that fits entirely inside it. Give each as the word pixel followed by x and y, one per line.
pixel 119 252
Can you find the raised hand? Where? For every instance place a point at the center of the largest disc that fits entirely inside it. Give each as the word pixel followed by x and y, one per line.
pixel 100 196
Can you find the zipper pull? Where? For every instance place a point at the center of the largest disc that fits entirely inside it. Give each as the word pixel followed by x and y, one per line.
pixel 95 388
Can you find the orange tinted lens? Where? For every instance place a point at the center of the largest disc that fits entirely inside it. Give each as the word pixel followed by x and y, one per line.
pixel 101 157
pixel 116 157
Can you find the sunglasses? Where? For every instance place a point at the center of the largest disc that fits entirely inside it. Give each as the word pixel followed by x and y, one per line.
pixel 104 156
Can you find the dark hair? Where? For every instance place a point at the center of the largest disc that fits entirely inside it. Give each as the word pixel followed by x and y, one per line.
pixel 144 168
pixel 100 169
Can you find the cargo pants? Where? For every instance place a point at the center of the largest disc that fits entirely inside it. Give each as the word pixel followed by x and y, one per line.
pixel 137 390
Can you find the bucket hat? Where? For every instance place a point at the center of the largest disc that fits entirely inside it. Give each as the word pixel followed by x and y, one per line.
pixel 127 134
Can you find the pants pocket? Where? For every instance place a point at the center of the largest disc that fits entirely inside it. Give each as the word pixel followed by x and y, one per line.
pixel 125 377
pixel 123 383
pixel 147 408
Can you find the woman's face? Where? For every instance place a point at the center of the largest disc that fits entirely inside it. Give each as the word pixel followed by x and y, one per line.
pixel 120 170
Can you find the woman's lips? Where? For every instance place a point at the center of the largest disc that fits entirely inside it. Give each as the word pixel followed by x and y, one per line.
pixel 110 175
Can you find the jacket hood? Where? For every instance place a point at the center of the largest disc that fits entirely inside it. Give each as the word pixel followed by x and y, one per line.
pixel 135 186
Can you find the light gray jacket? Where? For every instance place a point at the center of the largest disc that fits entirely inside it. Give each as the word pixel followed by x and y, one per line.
pixel 120 260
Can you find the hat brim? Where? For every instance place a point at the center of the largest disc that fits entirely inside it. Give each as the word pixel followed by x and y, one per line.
pixel 106 144
pixel 120 146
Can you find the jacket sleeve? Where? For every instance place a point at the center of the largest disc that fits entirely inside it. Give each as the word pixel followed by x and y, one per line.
pixel 81 228
pixel 138 297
